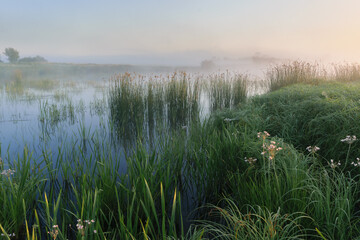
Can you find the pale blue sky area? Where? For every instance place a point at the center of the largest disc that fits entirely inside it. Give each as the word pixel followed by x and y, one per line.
pixel 186 28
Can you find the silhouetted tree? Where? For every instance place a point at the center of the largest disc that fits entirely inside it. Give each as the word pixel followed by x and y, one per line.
pixel 11 54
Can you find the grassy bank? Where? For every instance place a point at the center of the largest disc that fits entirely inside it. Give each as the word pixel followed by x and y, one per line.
pixel 310 168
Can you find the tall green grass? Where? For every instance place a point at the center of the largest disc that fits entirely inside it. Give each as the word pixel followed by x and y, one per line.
pixel 140 106
pixel 295 72
pixel 282 75
pixel 346 72
pixel 226 90
pixel 58 191
pixel 182 98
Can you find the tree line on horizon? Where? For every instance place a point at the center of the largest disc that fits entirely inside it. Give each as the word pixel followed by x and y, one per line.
pixel 13 57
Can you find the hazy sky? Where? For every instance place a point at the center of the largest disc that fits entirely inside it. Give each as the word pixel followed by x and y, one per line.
pixel 94 29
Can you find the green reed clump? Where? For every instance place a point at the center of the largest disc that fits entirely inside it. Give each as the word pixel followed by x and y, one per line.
pixel 220 92
pixel 152 110
pixel 171 102
pixel 283 75
pixel 20 182
pixel 295 72
pixel 182 100
pixel 176 101
pixel 51 114
pixel 127 106
pixel 239 89
pixel 98 106
pixel 139 105
pixel 346 72
pixel 226 90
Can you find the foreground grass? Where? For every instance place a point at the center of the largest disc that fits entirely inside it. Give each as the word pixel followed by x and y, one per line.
pixel 283 195
pixel 320 184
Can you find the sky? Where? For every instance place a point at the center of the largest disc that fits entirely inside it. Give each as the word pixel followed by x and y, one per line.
pixel 180 32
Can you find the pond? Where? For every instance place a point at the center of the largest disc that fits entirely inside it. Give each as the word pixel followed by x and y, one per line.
pixel 46 114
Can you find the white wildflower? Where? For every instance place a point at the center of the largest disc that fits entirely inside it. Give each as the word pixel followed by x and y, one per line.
pixel 349 139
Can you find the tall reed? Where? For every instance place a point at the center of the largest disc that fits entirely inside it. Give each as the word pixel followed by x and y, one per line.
pixel 283 75
pixel 226 90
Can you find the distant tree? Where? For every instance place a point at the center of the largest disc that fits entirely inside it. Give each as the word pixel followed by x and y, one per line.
pixel 37 59
pixel 12 55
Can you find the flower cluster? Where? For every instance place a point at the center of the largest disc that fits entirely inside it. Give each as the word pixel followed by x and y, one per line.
pixel 357 163
pixel 7 172
pixel 313 149
pixel 82 225
pixel 263 135
pixel 349 139
pixel 271 149
pixel 250 161
pixel 54 231
pixel 333 164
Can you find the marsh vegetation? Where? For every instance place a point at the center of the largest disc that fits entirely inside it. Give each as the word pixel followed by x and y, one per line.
pixel 182 155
